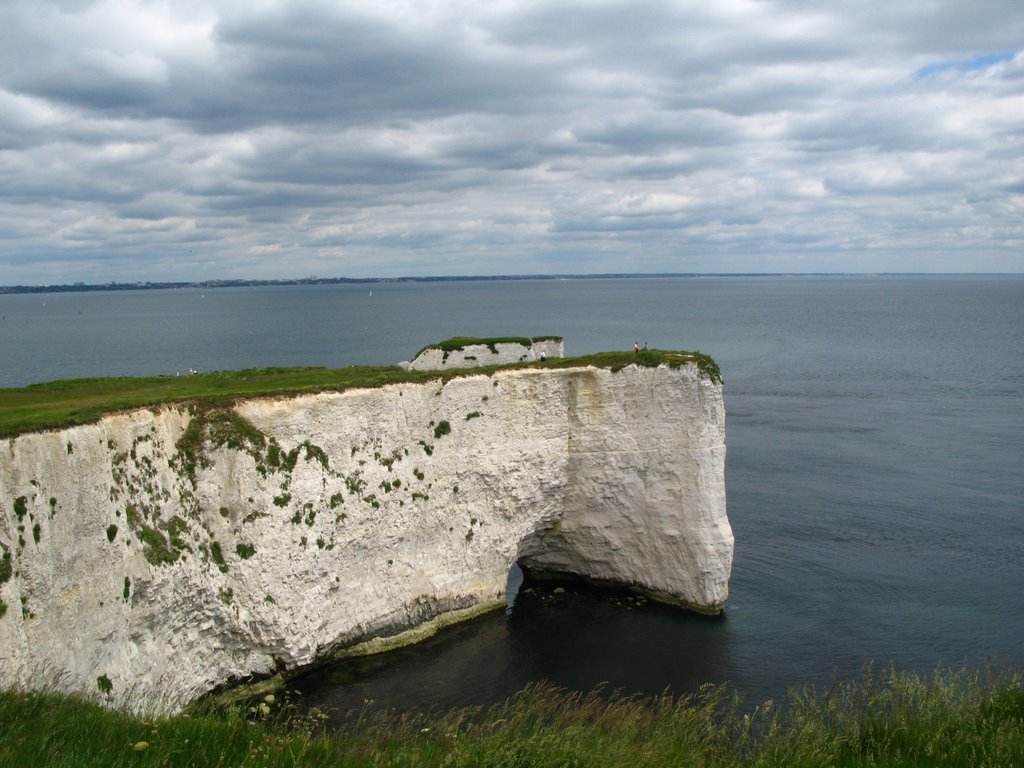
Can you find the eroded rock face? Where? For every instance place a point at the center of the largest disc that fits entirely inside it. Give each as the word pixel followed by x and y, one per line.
pixel 168 552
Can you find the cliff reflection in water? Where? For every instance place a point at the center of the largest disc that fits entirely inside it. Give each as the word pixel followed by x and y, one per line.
pixel 580 638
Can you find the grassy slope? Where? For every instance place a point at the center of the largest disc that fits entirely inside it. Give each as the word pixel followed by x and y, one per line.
pixel 950 719
pixel 78 401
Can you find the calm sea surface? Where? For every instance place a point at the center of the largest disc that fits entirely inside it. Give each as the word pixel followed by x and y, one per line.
pixel 875 466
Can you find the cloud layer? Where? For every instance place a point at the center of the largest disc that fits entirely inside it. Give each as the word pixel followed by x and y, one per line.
pixel 267 138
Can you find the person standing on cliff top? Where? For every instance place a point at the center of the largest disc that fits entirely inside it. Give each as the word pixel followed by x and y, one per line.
pixel 636 346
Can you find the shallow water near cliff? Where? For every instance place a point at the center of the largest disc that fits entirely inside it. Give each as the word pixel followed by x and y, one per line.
pixel 874 475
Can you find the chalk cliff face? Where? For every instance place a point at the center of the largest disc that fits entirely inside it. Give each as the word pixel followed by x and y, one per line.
pixel 158 554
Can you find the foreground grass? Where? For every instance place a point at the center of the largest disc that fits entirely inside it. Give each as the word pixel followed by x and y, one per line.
pixel 58 404
pixel 888 719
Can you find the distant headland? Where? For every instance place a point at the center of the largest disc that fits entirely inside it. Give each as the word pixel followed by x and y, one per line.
pixel 242 283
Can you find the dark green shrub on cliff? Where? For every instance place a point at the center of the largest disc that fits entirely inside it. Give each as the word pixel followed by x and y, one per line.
pixel 177 529
pixel 103 684
pixel 273 455
pixel 156 548
pixel 213 428
pixel 218 557
pixel 245 551
pixel 315 452
pixel 5 567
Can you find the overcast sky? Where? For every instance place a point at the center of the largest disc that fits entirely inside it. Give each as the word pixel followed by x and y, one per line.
pixel 188 140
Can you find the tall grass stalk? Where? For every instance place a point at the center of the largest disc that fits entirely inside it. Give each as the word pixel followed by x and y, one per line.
pixel 963 718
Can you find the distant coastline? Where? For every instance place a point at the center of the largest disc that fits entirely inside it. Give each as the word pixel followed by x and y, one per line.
pixel 210 284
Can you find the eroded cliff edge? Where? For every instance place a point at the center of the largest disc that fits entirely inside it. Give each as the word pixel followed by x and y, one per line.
pixel 158 554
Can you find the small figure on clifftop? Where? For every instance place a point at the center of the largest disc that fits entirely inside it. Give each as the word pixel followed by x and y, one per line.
pixel 636 346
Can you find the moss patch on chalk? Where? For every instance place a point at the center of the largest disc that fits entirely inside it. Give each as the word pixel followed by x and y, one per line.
pixel 5 566
pixel 212 428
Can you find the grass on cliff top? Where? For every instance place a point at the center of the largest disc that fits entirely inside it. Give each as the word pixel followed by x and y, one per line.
pixel 57 404
pixel 887 719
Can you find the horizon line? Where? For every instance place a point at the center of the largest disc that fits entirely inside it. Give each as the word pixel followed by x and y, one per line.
pixel 315 280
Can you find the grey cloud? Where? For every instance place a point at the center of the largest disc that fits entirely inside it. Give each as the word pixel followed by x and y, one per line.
pixel 920 26
pixel 308 64
pixel 394 138
pixel 657 130
pixel 882 129
pixel 661 169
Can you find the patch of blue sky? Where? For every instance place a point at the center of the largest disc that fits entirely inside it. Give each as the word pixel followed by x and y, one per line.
pixel 964 65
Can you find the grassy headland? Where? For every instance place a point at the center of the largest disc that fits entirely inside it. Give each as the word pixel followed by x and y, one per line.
pixel 960 718
pixel 57 404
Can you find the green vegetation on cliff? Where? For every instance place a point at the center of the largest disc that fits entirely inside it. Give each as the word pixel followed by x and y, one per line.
pixel 950 719
pixel 57 404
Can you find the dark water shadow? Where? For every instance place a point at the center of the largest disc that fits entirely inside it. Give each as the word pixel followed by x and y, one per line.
pixel 571 635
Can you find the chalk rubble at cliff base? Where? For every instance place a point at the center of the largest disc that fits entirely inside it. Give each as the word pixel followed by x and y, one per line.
pixel 158 554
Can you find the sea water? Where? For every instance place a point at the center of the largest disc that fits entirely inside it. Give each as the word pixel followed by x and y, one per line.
pixel 875 469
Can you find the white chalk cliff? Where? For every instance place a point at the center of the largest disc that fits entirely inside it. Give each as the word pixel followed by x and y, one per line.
pixel 158 554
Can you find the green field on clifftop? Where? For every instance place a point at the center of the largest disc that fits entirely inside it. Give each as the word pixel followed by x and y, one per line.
pixel 57 404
